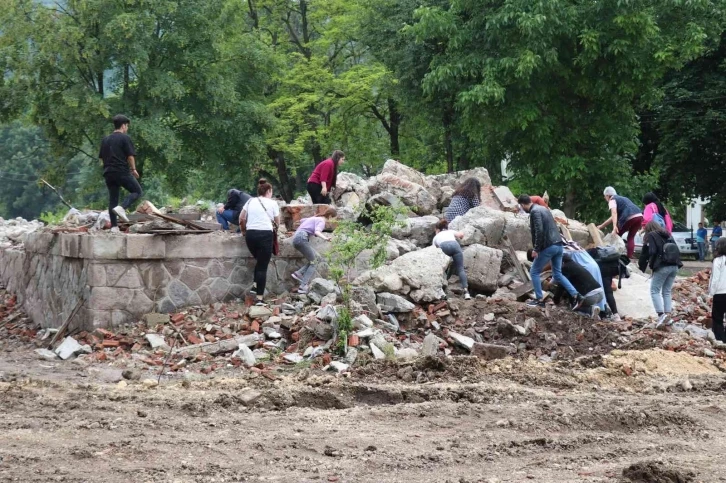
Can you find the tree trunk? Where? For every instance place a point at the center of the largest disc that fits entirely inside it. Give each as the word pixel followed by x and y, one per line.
pixel 448 144
pixel 286 187
pixel 394 124
pixel 570 206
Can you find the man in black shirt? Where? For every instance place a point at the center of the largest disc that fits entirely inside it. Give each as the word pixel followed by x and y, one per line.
pixel 119 169
pixel 229 213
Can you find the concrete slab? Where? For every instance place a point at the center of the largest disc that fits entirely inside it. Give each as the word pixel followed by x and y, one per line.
pixel 634 298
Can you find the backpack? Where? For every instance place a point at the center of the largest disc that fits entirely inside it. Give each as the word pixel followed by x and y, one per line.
pixel 659 219
pixel 671 254
pixel 605 255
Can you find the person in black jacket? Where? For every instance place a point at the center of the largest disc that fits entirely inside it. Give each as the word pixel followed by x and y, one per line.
pixel 229 213
pixel 664 273
pixel 548 247
pixel 585 284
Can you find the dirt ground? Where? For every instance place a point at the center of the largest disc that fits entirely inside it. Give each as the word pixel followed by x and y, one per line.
pixel 501 421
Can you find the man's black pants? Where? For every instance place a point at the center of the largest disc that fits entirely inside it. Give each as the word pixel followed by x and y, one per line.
pixel 114 183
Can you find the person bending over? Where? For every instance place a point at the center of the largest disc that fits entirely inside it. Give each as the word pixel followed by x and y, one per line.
pixel 312 226
pixel 446 240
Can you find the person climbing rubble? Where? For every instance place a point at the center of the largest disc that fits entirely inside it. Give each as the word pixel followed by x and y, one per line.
pixel 625 217
pixel 466 197
pixel 312 226
pixel 446 240
pixel 230 211
pixel 661 254
pixel 585 260
pixel 548 246
pixel 583 281
pixel 119 169
pixel 323 178
pixel 717 289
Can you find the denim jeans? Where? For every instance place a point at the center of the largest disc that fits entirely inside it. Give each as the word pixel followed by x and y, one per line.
pixel 453 249
pixel 701 251
pixel 301 242
pixel 554 254
pixel 660 288
pixel 225 218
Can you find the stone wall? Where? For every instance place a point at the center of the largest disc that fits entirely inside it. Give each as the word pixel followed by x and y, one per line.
pixel 123 277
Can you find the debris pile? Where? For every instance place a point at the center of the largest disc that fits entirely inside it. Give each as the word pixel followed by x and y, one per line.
pixel 691 295
pixel 12 231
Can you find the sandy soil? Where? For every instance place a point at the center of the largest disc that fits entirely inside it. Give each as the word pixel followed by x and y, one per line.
pixel 503 421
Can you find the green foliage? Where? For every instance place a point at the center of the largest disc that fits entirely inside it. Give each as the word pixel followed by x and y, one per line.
pixel 556 83
pixel 53 218
pixel 350 240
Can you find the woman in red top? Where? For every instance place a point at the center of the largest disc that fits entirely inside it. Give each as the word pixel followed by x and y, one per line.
pixel 323 178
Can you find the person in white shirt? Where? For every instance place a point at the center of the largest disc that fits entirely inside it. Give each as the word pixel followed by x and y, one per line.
pixel 445 239
pixel 258 221
pixel 717 289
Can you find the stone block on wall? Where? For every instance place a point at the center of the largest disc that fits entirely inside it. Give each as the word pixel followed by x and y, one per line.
pixel 145 246
pixel 40 242
pixel 108 298
pixel 103 247
pixel 211 245
pixel 70 245
pixel 193 277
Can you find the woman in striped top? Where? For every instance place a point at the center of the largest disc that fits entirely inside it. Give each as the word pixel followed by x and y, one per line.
pixel 466 197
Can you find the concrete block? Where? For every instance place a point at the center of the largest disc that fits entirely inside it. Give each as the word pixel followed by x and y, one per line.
pixel 68 348
pixel 205 246
pixel 103 247
pixel 145 246
pixel 124 275
pixel 40 242
pixel 70 245
pixel 153 275
pixel 123 317
pixel 107 298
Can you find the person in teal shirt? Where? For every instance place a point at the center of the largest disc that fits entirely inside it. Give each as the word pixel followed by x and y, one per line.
pixel 701 235
pixel 715 235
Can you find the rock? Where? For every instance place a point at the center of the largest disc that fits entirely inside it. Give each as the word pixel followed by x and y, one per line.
pixel 686 385
pixel 377 353
pixel 362 322
pixel 153 319
pixel 249 396
pixel 271 333
pixel 504 293
pixel 709 353
pixel 400 247
pixel 430 346
pixel 489 317
pixel 366 297
pixel 294 357
pixel 323 331
pixel 482 266
pixel 131 374
pixel 508 329
pixel 419 275
pixel 157 342
pixel 250 340
pixel 319 288
pixel 46 355
pixel 394 303
pixel 149 383
pixel 351 355
pixel 407 353
pixel 366 333
pixel 338 366
pixel 486 226
pixel 411 194
pixel 259 312
pixel 245 354
pixel 420 230
pixel 530 325
pixel 462 340
pixel 490 352
pixel 352 185
pixel 69 348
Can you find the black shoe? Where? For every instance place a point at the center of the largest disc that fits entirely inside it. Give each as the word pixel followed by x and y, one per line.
pixel 535 303
pixel 579 300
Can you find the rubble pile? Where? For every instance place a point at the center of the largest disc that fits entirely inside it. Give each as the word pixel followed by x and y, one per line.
pixel 12 231
pixel 691 295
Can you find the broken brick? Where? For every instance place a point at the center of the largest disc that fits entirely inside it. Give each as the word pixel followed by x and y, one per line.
pixel 176 318
pixel 353 341
pixel 255 326
pixel 110 343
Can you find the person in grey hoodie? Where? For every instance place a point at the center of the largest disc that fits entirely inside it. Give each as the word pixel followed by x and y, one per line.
pixel 548 247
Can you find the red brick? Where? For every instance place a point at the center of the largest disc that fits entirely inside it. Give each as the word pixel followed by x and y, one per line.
pixel 136 347
pixel 210 338
pixel 110 343
pixel 353 341
pixel 327 359
pixel 295 336
pixel 255 326
pixel 193 339
pixel 106 334
pixel 176 318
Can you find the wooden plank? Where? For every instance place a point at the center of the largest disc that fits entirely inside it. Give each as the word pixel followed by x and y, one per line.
pixel 187 223
pixel 61 331
pixel 144 217
pixel 595 235
pixel 521 272
pixel 565 232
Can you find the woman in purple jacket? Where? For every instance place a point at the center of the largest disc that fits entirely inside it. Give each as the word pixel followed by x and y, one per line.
pixel 312 226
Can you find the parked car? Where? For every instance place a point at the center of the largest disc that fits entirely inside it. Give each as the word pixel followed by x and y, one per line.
pixel 684 238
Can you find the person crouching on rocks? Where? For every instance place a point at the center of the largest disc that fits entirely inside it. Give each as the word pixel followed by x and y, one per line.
pixel 466 197
pixel 445 239
pixel 301 241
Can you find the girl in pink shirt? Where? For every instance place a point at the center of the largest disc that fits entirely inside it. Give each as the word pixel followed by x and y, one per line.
pixel 655 209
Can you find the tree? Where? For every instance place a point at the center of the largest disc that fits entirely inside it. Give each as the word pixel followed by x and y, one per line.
pixel 557 83
pixel 182 70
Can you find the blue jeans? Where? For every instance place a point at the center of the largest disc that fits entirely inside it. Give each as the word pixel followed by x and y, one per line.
pixel 660 288
pixel 554 254
pixel 701 251
pixel 225 218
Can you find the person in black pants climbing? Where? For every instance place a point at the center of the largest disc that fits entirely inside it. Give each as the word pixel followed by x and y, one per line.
pixel 119 169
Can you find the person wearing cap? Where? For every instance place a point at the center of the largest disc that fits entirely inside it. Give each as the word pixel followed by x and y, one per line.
pixel 625 216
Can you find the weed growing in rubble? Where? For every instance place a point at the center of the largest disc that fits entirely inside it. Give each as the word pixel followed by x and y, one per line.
pixel 350 240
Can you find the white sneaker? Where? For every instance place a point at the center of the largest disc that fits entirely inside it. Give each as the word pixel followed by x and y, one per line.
pixel 121 213
pixel 661 320
pixel 615 318
pixel 467 296
pixel 595 312
pixel 114 229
